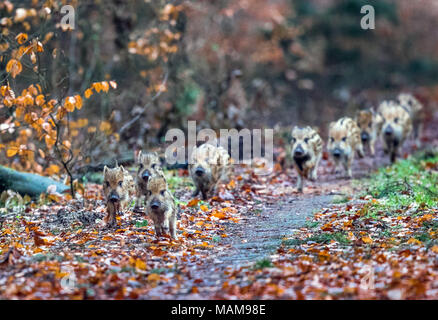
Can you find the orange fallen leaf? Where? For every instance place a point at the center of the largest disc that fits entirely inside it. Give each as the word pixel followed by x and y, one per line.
pixel 367 240
pixel 414 241
pixel 231 185
pixel 218 215
pixel 327 227
pixel 38 241
pixel 158 252
pixel 193 203
pixel 141 265
pixel 153 277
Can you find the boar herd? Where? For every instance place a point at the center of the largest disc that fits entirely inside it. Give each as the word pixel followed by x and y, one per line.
pixel 393 122
pixel 208 167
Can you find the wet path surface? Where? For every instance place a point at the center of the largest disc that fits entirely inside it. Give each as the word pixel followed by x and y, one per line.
pixel 263 231
pixel 255 238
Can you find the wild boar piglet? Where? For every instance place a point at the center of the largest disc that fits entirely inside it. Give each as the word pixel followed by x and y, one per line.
pixel 160 206
pixel 209 166
pixel 344 142
pixel 306 154
pixel 118 188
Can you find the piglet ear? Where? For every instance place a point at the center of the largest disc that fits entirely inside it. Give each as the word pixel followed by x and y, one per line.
pixel 293 129
pixel 139 157
pixel 193 155
pixel 105 170
pixel 356 115
pixel 123 169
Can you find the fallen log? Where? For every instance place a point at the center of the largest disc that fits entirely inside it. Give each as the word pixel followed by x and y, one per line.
pixel 125 160
pixel 27 183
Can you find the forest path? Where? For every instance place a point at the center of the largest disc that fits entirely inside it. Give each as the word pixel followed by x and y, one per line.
pixel 260 232
pixel 254 239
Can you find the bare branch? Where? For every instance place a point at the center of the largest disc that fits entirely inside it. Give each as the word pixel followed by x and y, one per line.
pixel 147 105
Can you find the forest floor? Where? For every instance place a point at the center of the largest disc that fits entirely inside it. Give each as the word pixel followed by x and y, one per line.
pixel 258 239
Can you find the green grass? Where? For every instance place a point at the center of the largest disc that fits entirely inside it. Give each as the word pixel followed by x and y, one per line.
pixel 39 257
pixel 140 224
pixel 409 187
pixel 158 270
pixel 264 263
pixel 405 183
pixel 311 224
pixel 433 225
pixel 177 182
pixel 410 183
pixel 319 238
pixel 340 199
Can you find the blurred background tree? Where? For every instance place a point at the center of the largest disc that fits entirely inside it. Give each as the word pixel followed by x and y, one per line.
pixel 224 63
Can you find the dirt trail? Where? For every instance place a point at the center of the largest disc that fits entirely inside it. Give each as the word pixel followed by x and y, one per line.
pixel 260 232
pixel 255 238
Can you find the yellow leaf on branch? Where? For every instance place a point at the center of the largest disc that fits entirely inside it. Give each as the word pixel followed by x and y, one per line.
pixel 105 86
pixel 97 86
pixel 19 112
pixel 14 67
pixel 50 142
pixel 78 100
pixel 113 84
pixel 21 38
pixel 12 151
pixel 60 114
pixel 69 104
pixel 88 93
pixel 105 126
pixel 39 100
pixel 53 169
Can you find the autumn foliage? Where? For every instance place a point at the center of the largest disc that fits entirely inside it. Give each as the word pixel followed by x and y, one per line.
pixel 74 101
pixel 39 124
pixel 42 131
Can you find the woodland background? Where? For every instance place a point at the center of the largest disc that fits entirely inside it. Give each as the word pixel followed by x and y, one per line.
pixel 72 101
pixel 224 63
